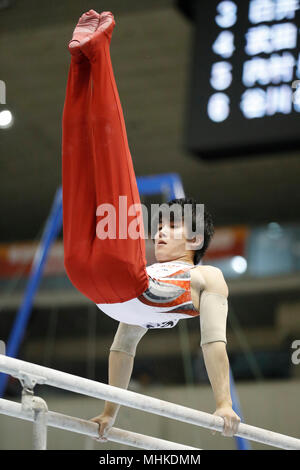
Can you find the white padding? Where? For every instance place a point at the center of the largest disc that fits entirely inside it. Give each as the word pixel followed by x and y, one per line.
pixel 127 338
pixel 213 317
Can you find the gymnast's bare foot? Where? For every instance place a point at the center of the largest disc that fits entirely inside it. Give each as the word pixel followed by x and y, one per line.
pixel 86 26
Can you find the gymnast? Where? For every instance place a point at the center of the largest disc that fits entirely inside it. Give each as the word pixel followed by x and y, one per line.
pixel 97 169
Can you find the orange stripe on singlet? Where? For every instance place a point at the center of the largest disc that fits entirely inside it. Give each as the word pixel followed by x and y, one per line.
pixel 182 299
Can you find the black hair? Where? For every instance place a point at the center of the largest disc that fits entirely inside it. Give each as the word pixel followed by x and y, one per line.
pixel 207 227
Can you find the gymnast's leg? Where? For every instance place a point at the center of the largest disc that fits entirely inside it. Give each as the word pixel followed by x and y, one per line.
pixel 114 268
pixel 79 201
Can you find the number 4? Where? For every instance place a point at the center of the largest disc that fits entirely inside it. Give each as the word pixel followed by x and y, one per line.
pixel 224 44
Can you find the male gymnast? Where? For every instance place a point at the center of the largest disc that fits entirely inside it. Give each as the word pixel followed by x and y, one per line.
pixel 111 271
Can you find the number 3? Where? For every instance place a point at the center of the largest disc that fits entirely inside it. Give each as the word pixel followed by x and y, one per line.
pixel 227 14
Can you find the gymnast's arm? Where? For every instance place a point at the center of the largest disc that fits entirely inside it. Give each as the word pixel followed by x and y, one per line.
pixel 121 359
pixel 213 316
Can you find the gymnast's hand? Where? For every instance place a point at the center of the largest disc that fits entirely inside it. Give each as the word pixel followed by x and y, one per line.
pixel 105 423
pixel 231 420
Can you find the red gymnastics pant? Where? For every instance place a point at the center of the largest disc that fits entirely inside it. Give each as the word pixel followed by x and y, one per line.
pixel 97 168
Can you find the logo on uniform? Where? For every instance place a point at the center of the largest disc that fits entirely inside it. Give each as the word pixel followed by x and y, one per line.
pixel 165 324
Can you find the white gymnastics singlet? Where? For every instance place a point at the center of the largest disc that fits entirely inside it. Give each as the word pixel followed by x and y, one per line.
pixel 164 303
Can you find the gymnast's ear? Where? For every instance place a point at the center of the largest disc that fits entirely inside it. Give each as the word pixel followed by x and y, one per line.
pixel 195 243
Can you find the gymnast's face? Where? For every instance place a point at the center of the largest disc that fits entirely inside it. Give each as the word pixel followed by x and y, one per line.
pixel 170 242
